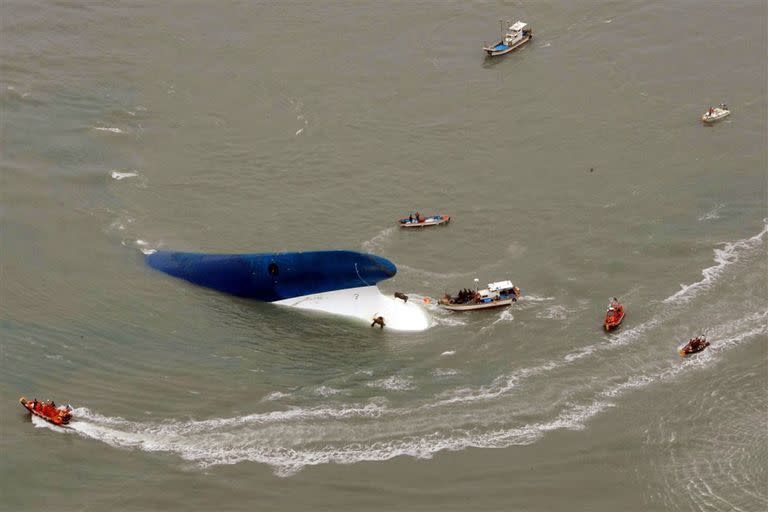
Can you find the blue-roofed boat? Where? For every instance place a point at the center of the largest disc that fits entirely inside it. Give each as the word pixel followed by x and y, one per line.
pixel 338 282
pixel 519 34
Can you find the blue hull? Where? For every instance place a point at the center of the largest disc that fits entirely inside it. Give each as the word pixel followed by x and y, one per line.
pixel 271 277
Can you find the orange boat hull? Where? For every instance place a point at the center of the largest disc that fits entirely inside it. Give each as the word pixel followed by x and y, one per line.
pixel 611 322
pixel 49 413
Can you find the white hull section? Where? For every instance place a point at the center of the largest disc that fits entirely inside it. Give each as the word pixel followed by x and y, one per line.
pixel 365 303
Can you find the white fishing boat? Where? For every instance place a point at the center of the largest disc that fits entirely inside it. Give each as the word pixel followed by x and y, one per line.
pixel 498 294
pixel 518 34
pixel 715 113
pixel 418 220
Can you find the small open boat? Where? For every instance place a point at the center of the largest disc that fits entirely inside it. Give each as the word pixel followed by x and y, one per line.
pixel 48 410
pixel 715 113
pixel 499 294
pixel 418 220
pixel 519 34
pixel 694 346
pixel 613 315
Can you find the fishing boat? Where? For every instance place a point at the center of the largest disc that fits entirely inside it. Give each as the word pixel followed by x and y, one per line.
pixel 499 294
pixel 518 35
pixel 694 346
pixel 614 314
pixel 715 113
pixel 417 220
pixel 48 410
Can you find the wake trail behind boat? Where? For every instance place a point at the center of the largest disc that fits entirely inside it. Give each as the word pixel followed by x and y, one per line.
pixel 212 442
pixel 379 240
pixel 731 253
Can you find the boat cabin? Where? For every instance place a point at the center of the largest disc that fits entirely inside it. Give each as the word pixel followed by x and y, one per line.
pixel 516 33
pixel 500 290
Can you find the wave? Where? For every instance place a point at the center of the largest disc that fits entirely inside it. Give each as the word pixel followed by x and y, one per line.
pixel 712 214
pixel 393 383
pixel 728 255
pixel 111 129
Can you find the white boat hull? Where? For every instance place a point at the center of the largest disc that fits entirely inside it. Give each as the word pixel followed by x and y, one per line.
pixel 716 116
pixel 484 305
pixel 430 221
pixel 493 52
pixel 365 303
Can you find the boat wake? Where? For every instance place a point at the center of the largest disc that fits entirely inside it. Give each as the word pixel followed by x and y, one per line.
pixel 713 214
pixel 379 240
pixel 728 255
pixel 293 439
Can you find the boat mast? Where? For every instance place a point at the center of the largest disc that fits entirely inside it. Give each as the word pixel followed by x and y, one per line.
pixel 501 29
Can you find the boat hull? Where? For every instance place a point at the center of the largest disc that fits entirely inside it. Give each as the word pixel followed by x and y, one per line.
pixel 685 351
pixel 709 119
pixel 613 323
pixel 501 49
pixel 473 307
pixel 436 220
pixel 337 282
pixel 59 420
pixel 365 303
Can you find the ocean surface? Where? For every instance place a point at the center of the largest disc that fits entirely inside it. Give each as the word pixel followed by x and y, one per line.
pixel 576 167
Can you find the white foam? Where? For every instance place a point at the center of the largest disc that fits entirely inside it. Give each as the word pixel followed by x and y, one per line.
pixel 108 129
pixel 121 175
pixel 378 240
pixel 39 422
pixel 534 298
pixel 505 316
pixel 714 213
pixel 556 312
pixel 445 372
pixel 448 353
pixel 276 395
pixel 393 383
pixel 575 356
pixel 298 132
pixel 326 391
pixel 728 255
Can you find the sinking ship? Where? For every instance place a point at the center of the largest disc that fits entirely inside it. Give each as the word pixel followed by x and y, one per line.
pixel 338 282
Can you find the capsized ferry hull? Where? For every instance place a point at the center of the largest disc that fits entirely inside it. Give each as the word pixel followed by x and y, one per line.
pixel 364 304
pixel 338 282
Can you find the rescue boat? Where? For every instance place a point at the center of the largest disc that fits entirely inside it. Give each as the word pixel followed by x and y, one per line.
pixel 613 315
pixel 715 113
pixel 48 411
pixel 499 294
pixel 694 346
pixel 420 221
